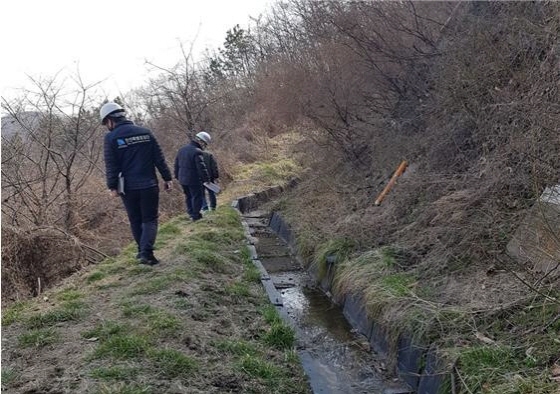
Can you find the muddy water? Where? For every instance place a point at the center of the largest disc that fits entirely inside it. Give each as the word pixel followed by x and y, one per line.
pixel 336 359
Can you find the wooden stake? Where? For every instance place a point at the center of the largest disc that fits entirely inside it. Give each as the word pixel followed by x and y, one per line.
pixel 400 170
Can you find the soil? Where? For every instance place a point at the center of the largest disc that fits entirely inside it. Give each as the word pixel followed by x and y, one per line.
pixel 195 295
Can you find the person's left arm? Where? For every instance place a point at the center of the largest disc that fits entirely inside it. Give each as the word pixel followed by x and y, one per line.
pixel 112 167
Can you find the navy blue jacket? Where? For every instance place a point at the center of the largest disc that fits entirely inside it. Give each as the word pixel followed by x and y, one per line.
pixel 135 152
pixel 190 168
pixel 211 165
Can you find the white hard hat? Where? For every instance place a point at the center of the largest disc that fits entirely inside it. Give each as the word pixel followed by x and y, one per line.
pixel 204 136
pixel 109 108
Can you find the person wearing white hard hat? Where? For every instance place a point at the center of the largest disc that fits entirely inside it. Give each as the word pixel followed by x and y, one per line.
pixel 132 155
pixel 191 172
pixel 212 167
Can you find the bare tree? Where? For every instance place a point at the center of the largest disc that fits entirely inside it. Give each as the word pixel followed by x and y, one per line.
pixel 52 156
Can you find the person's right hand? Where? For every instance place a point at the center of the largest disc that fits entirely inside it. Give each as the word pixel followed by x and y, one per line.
pixel 114 193
pixel 168 186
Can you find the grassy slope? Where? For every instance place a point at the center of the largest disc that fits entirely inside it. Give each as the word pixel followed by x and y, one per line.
pixel 197 323
pixel 499 335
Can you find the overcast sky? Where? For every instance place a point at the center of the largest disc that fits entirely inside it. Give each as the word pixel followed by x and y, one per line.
pixel 43 37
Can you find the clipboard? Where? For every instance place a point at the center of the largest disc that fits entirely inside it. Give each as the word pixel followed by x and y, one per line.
pixel 212 187
pixel 120 185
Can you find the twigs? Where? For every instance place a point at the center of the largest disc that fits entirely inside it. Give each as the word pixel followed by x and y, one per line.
pixel 456 371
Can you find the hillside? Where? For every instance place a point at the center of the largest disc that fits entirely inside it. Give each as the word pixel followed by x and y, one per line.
pixel 199 322
pixel 339 94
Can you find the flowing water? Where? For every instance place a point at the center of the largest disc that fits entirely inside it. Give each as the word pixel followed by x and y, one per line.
pixel 336 359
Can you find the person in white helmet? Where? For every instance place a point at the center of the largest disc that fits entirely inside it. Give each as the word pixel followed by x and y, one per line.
pixel 191 172
pixel 210 203
pixel 132 155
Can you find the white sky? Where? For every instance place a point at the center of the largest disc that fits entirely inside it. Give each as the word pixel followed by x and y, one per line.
pixel 43 37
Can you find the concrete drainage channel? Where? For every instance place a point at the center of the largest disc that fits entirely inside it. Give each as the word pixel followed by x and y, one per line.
pixel 335 358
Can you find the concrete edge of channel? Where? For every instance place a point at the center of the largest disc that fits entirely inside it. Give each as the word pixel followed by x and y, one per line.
pixel 419 366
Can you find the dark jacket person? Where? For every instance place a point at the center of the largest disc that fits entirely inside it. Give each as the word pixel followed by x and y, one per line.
pixel 132 155
pixel 214 174
pixel 191 172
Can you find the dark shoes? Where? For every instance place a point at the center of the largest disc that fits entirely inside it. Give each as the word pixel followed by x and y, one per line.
pixel 150 260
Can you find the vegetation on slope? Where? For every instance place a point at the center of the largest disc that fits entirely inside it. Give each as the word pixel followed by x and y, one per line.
pixel 199 322
pixel 466 92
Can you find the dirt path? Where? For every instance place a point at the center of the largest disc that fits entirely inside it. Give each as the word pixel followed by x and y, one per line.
pixel 199 322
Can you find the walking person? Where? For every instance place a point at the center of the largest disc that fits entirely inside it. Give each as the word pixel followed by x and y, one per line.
pixel 212 167
pixel 191 172
pixel 132 155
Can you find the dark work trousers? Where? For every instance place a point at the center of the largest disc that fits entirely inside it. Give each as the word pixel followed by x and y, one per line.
pixel 193 198
pixel 211 199
pixel 142 209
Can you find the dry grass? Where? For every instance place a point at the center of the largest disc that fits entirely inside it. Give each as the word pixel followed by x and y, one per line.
pixel 182 326
pixel 33 261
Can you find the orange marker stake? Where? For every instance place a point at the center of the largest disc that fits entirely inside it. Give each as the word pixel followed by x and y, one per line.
pixel 400 170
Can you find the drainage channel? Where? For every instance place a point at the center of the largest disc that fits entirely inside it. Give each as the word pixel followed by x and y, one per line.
pixel 335 358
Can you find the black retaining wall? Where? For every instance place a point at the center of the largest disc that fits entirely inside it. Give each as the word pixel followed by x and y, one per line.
pixel 253 201
pixel 417 365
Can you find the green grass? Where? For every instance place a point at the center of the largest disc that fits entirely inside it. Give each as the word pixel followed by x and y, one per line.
pixel 14 313
pixel 238 289
pixel 182 304
pixel 161 281
pixel 126 388
pixel 163 323
pixel 185 246
pixel 269 173
pixel 307 241
pixel 251 274
pixel 69 294
pixel 270 314
pixel 167 232
pixel 398 284
pixel 110 266
pixel 140 345
pixel 280 336
pixel 38 337
pixel 68 312
pixel 96 276
pixel 151 286
pixel 486 365
pixel 255 366
pixel 158 321
pixel 518 384
pixel 226 217
pixel 291 356
pixel 172 363
pixel 388 256
pixel 105 330
pixel 237 347
pixel 115 372
pixel 224 236
pixel 9 376
pixel 122 346
pixel 337 249
pixel 133 309
pixel 501 369
pixel 140 269
pixel 210 259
